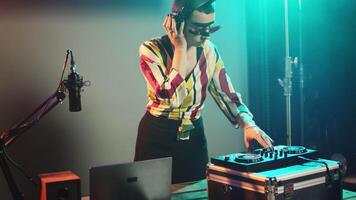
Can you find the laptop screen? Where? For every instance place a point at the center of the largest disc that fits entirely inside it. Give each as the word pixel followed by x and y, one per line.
pixel 141 180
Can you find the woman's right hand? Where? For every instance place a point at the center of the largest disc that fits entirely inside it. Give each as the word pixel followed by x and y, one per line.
pixel 176 36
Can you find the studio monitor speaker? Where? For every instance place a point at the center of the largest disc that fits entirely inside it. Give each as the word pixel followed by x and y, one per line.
pixel 63 185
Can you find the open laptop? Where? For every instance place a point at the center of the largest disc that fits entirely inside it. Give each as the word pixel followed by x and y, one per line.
pixel 141 180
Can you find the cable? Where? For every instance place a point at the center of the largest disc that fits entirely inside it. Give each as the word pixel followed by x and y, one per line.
pixel 321 162
pixel 64 68
pixel 59 89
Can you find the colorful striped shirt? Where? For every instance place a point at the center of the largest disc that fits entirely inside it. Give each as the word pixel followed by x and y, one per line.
pixel 175 97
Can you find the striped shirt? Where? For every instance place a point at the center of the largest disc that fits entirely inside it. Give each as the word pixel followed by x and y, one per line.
pixel 175 97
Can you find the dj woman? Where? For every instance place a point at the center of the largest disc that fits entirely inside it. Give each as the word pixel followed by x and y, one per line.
pixel 180 68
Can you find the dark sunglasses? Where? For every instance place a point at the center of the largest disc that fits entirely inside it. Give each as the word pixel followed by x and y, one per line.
pixel 204 31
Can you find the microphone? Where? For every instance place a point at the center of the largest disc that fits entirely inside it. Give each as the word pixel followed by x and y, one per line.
pixel 74 83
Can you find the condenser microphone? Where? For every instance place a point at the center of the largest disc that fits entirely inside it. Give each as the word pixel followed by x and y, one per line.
pixel 74 83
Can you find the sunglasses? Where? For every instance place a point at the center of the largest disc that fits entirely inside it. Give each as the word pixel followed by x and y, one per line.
pixel 204 31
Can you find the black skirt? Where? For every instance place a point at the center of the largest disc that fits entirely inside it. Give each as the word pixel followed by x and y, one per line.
pixel 157 138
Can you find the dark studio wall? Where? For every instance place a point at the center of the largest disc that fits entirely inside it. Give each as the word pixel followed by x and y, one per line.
pixel 325 44
pixel 104 36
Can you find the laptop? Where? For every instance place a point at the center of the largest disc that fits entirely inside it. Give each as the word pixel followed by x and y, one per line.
pixel 141 180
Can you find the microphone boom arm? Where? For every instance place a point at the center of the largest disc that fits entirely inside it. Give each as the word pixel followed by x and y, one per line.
pixel 8 136
pixel 35 116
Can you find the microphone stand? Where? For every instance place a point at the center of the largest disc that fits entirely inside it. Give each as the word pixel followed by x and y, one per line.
pixel 16 194
pixel 7 137
pixel 287 81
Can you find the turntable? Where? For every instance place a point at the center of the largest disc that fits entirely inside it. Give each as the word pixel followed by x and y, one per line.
pixel 265 159
pixel 247 158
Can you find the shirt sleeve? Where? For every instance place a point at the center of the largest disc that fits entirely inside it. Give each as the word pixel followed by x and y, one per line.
pixel 165 83
pixel 224 94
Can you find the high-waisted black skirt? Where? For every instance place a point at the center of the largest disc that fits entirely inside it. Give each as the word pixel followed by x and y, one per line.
pixel 157 138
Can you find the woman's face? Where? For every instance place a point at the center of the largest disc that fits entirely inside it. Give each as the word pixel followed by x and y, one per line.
pixel 197 27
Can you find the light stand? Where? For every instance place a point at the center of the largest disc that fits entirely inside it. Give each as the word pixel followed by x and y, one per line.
pixel 301 72
pixel 287 81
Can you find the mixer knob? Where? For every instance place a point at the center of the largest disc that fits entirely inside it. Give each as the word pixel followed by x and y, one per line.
pixel 226 158
pixel 285 154
pixel 266 154
pixel 262 152
pixel 270 154
pixel 280 153
pixel 276 156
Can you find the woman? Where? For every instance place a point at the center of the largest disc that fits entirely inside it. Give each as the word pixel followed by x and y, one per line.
pixel 180 68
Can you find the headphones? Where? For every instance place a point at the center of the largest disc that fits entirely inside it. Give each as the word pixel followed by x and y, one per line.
pixel 181 8
pixel 179 17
